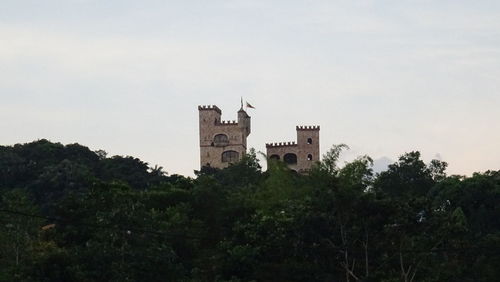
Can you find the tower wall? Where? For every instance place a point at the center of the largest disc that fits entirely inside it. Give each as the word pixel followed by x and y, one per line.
pixel 209 117
pixel 308 146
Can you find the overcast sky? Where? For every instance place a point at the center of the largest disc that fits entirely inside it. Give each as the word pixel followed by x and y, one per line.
pixel 384 77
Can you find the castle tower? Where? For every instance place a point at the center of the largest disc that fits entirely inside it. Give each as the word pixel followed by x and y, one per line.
pixel 298 156
pixel 222 142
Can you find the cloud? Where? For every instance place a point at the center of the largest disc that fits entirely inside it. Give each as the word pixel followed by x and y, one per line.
pixel 381 164
pixel 438 157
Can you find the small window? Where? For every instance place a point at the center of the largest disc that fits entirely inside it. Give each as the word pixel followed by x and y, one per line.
pixel 309 141
pixel 290 158
pixel 274 157
pixel 221 140
pixel 230 156
pixel 309 157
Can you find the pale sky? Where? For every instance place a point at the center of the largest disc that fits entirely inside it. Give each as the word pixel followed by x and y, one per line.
pixel 384 77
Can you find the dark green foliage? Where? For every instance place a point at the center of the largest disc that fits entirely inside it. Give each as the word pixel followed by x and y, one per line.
pixel 70 214
pixel 50 170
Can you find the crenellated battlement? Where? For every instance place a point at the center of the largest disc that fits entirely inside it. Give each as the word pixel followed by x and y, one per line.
pixel 227 122
pixel 209 108
pixel 281 144
pixel 307 127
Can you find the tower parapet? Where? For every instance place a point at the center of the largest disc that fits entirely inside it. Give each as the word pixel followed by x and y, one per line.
pixel 209 108
pixel 280 144
pixel 307 127
pixel 228 122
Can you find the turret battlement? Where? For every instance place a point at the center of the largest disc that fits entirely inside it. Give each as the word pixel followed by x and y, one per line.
pixel 227 122
pixel 307 127
pixel 280 144
pixel 209 108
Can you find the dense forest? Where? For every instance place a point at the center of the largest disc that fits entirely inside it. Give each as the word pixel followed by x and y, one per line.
pixel 71 214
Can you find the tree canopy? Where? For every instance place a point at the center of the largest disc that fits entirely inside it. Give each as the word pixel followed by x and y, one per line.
pixel 70 214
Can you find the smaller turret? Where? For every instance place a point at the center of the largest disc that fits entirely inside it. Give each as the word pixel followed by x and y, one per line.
pixel 244 121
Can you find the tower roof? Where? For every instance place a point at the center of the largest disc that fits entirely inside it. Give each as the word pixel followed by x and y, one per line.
pixel 243 111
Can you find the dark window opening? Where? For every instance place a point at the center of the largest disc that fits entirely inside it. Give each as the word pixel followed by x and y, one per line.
pixel 230 157
pixel 274 157
pixel 221 140
pixel 309 157
pixel 290 158
pixel 309 141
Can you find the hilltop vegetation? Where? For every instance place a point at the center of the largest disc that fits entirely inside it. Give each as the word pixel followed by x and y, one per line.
pixel 70 214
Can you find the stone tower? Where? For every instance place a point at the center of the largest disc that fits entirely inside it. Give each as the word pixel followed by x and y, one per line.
pixel 222 142
pixel 298 156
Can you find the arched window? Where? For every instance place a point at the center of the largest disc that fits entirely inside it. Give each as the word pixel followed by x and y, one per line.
pixel 290 158
pixel 274 157
pixel 309 157
pixel 309 141
pixel 230 157
pixel 221 140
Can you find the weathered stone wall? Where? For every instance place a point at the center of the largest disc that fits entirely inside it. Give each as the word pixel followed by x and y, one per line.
pixel 281 149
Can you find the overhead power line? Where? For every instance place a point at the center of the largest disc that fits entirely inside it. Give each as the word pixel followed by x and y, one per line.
pixel 128 230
